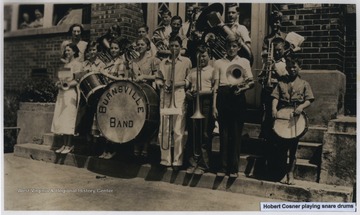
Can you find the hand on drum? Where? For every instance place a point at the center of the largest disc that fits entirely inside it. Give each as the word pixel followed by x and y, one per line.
pixel 274 113
pixel 159 83
pixel 298 110
pixel 58 84
pixel 167 88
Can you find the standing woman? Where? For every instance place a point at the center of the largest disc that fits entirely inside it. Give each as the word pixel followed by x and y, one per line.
pixel 67 101
pixel 75 31
pixel 144 68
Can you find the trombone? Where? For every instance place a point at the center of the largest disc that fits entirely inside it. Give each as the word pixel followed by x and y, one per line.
pixel 167 111
pixel 197 116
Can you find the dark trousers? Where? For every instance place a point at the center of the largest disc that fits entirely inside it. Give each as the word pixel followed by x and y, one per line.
pixel 231 111
pixel 267 120
pixel 278 151
pixel 200 131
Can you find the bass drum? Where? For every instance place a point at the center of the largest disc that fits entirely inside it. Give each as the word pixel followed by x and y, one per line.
pixel 290 126
pixel 128 111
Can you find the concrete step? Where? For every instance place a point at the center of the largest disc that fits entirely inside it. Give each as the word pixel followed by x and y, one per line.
pixel 303 191
pixel 306 171
pixel 314 133
pixel 342 125
pixel 309 151
pixel 56 141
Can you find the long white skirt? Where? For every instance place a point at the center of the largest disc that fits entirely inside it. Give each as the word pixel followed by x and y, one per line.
pixel 66 108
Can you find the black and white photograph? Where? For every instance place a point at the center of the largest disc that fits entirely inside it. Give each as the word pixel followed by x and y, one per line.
pixel 231 106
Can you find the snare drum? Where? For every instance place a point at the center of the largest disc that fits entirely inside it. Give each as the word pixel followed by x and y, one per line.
pixel 92 85
pixel 290 126
pixel 128 111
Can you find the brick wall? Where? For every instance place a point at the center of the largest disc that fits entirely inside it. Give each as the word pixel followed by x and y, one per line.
pixel 322 26
pixel 25 53
pixel 330 40
pixel 22 54
pixel 128 16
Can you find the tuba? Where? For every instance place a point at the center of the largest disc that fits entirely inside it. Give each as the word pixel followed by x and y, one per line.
pixel 215 32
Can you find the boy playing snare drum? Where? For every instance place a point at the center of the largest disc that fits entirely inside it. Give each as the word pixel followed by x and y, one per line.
pixel 296 92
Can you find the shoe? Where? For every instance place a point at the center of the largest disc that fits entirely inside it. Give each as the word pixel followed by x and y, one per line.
pixel 220 174
pixel 233 175
pixel 102 155
pixel 60 149
pixel 109 155
pixel 190 170
pixel 144 154
pixel 136 153
pixel 67 149
pixel 199 171
pixel 176 168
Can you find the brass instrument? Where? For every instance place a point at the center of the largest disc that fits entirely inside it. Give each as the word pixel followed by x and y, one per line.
pixel 167 111
pixel 64 85
pixel 267 73
pixel 130 52
pixel 105 57
pixel 197 113
pixel 215 32
pixel 160 40
pixel 64 75
pixel 197 116
pixel 234 75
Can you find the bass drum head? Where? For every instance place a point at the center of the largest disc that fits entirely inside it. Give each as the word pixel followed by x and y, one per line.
pixel 121 111
pixel 288 127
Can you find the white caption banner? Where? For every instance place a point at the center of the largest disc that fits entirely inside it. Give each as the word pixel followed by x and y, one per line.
pixel 308 206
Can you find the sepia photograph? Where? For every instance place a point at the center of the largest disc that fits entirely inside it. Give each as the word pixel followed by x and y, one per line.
pixel 179 107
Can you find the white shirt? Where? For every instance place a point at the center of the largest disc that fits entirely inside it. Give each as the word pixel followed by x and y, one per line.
pixel 221 66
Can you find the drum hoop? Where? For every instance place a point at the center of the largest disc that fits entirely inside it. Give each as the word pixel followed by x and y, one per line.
pixel 93 91
pixel 87 75
pixel 303 113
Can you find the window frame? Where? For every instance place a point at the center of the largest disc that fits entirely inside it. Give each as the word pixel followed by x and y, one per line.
pixel 48 27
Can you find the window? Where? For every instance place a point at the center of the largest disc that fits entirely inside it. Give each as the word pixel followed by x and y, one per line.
pixel 28 16
pixel 70 14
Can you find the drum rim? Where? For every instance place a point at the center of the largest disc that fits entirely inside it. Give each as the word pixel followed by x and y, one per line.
pixel 92 91
pixel 302 133
pixel 88 74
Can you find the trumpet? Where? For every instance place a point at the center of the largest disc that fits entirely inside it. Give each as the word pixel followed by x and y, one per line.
pixel 266 75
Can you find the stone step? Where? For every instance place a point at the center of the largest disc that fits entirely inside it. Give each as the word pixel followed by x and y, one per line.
pixel 314 133
pixel 309 151
pixel 342 124
pixel 56 141
pixel 306 171
pixel 302 191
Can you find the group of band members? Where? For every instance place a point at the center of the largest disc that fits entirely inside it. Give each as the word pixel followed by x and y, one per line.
pixel 150 62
